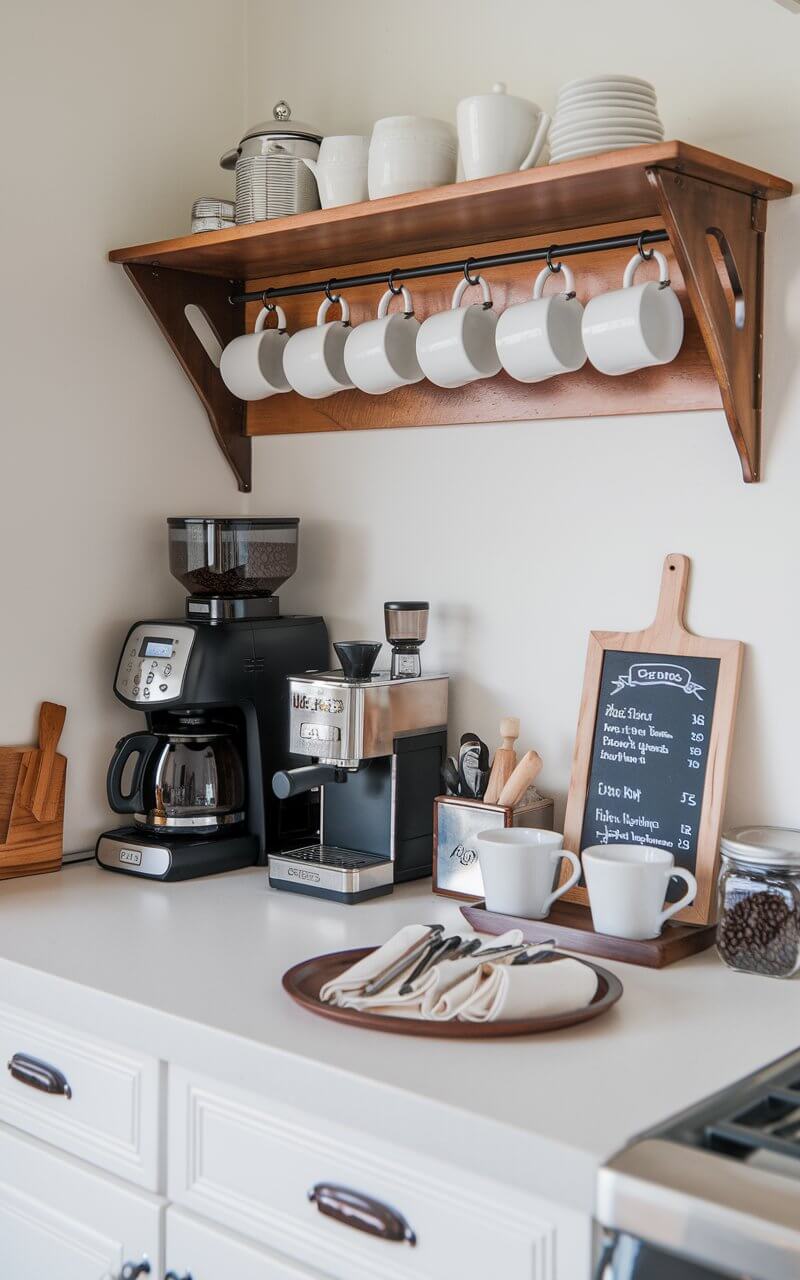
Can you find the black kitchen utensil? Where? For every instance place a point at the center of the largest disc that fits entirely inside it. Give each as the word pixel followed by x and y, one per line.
pixel 450 776
pixel 473 766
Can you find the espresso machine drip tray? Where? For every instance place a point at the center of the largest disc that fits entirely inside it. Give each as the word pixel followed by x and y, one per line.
pixel 328 871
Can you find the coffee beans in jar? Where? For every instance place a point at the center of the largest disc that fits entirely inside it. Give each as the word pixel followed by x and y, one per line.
pixel 759 901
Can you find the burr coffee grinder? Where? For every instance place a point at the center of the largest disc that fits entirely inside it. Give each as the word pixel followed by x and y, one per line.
pixel 377 743
pixel 406 624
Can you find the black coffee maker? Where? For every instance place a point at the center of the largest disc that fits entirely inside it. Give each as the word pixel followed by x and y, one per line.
pixel 213 689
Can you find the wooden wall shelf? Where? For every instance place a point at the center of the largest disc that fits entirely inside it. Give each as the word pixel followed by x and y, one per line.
pixel 714 210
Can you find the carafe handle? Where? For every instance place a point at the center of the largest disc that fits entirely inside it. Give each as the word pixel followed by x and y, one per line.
pixel 142 745
pixel 538 142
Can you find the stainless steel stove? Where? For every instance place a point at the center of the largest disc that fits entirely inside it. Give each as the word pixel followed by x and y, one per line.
pixel 713 1192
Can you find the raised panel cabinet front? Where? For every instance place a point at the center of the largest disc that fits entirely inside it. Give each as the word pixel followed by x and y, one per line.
pixel 339 1201
pixel 60 1220
pixel 84 1096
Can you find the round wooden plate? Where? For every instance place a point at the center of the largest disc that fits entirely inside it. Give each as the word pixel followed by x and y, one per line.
pixel 304 982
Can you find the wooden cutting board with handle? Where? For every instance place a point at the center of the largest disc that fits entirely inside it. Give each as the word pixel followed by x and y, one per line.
pixel 44 804
pixel 32 786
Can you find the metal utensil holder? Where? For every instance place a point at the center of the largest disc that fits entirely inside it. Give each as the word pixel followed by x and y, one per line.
pixel 457 822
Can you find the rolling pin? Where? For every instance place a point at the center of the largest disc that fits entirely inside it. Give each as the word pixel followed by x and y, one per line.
pixel 505 759
pixel 525 773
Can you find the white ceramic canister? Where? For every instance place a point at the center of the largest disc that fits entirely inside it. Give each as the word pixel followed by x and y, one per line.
pixel 410 153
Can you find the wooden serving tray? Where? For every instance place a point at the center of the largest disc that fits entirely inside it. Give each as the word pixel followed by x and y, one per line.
pixel 571 926
pixel 304 982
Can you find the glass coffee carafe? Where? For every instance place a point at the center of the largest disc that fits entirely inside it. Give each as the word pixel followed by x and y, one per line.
pixel 187 779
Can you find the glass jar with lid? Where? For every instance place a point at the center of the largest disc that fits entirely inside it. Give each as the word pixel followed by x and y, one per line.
pixel 758 900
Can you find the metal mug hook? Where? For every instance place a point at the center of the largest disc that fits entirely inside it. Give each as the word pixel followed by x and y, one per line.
pixel 393 288
pixel 471 280
pixel 554 268
pixel 646 255
pixel 265 302
pixel 332 297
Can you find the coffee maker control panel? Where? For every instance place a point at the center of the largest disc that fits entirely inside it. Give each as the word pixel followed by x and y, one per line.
pixel 153 662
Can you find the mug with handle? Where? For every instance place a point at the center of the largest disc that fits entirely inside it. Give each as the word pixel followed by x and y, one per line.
pixel 542 338
pixel 636 326
pixel 314 358
pixel 381 355
pixel 627 886
pixel 458 346
pixel 519 866
pixel 252 364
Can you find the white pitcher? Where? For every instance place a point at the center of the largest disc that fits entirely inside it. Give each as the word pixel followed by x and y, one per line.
pixel 340 170
pixel 498 133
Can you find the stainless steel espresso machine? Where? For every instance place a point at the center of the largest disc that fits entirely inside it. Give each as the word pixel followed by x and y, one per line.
pixel 195 786
pixel 378 743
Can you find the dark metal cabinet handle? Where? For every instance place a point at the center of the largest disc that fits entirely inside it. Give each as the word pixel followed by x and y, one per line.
pixel 173 1275
pixel 132 1270
pixel 39 1075
pixel 361 1212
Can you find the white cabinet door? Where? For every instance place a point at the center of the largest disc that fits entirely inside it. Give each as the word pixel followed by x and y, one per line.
pixel 60 1220
pixel 196 1250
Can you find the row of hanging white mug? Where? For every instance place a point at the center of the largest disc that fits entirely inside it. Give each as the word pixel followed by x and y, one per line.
pixel 620 331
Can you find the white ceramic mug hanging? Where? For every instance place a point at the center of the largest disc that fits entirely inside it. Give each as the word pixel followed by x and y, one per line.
pixel 251 365
pixel 637 326
pixel 542 338
pixel 381 355
pixel 314 358
pixel 457 346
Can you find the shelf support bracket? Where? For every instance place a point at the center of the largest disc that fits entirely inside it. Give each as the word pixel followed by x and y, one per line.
pixel 717 235
pixel 167 293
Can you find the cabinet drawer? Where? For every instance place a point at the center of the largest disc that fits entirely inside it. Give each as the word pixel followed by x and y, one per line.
pixel 105 1107
pixel 251 1165
pixel 205 1252
pixel 61 1220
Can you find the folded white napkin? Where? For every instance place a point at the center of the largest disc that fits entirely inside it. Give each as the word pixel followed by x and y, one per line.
pixel 358 975
pixel 509 992
pixel 347 990
pixel 427 989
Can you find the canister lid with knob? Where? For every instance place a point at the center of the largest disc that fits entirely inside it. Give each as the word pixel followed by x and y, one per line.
pixel 279 128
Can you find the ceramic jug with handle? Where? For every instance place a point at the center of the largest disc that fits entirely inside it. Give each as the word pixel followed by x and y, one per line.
pixel 498 133
pixel 340 170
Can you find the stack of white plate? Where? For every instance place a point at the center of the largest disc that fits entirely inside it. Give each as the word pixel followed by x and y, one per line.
pixel 603 113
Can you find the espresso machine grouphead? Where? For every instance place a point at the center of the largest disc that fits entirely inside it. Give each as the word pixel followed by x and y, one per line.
pixel 213 689
pixel 377 745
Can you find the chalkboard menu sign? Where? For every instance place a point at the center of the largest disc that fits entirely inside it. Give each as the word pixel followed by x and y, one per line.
pixel 654 738
pixel 654 720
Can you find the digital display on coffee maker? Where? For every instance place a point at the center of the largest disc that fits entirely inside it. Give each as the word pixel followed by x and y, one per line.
pixel 156 647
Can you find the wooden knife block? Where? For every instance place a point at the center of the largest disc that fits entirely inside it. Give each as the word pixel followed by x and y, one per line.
pixel 27 847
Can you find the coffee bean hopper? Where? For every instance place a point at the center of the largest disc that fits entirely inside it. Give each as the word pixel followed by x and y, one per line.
pixel 213 688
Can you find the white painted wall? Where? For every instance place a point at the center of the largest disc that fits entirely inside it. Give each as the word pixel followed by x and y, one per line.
pixel 112 116
pixel 510 529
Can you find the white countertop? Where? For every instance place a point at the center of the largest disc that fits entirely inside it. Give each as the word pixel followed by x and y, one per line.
pixel 191 972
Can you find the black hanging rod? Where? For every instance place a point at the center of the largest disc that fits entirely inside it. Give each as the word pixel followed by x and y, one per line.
pixel 636 240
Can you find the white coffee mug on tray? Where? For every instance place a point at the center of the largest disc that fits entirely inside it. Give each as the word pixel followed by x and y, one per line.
pixel 519 866
pixel 627 886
